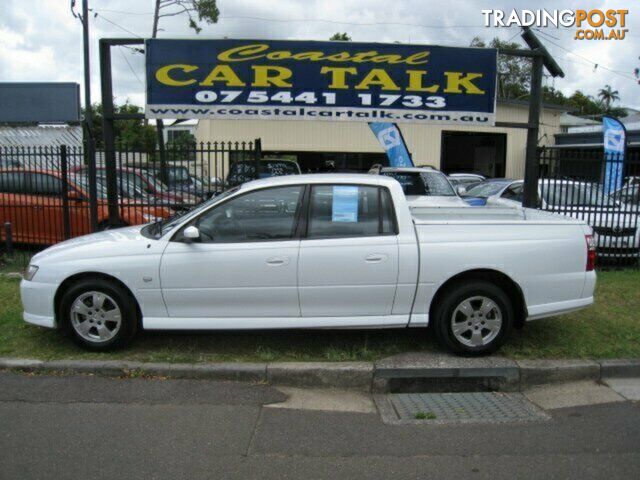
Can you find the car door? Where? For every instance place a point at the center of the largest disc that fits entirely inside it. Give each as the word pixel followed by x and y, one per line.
pixel 244 263
pixel 348 264
pixel 46 220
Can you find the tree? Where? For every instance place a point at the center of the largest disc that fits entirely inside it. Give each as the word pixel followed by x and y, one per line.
pixel 130 134
pixel 513 72
pixel 608 96
pixel 340 37
pixel 182 140
pixel 196 10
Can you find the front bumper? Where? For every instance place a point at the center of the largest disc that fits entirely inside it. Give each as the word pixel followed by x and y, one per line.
pixel 37 301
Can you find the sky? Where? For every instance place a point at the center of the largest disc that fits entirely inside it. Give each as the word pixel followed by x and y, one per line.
pixel 40 40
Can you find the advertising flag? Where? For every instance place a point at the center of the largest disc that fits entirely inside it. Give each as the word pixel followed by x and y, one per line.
pixel 390 138
pixel 615 141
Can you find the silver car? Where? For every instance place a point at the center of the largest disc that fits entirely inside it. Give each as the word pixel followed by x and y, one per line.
pixel 615 224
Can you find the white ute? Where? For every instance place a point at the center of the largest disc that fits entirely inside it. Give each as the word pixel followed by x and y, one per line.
pixel 316 251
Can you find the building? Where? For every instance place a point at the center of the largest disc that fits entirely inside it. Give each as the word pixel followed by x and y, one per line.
pixel 351 147
pixel 38 145
pixel 590 137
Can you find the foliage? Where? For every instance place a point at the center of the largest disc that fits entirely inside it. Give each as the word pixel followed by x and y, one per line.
pixel 342 37
pixel 196 10
pixel 182 140
pixel 133 133
pixel 513 72
pixel 608 96
pixel 514 83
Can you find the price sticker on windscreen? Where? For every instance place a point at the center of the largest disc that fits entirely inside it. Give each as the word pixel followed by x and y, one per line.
pixel 345 204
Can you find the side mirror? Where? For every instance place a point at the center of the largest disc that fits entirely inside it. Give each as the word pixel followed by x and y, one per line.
pixel 461 190
pixel 191 233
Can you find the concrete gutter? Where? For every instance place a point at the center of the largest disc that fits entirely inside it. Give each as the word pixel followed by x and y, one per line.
pixel 401 373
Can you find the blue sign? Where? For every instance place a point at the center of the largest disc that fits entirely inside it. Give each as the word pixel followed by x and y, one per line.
pixel 351 81
pixel 389 136
pixel 345 204
pixel 615 142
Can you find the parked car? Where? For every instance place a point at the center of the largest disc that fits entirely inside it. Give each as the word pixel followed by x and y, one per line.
pixel 616 226
pixel 629 195
pixel 316 251
pixel 178 179
pixel 423 186
pixel 144 180
pixel 32 201
pixel 245 170
pixel 134 195
pixel 466 180
pixel 478 195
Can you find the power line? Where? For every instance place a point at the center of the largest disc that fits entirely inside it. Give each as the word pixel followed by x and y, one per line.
pixel 312 20
pixel 591 62
pixel 115 24
pixel 131 68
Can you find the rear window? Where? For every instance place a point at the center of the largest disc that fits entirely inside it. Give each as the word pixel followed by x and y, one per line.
pixel 349 211
pixel 423 183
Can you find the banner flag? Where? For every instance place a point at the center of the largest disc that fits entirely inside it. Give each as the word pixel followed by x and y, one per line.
pixel 390 138
pixel 615 142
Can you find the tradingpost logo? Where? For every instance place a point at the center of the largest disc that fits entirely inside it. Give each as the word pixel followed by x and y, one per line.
pixel 594 24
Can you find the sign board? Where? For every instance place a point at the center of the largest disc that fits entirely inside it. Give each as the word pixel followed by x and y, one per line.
pixel 289 80
pixel 39 102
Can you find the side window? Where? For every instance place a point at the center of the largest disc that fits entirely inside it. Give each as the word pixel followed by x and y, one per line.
pixel 347 211
pixel 388 213
pixel 42 184
pixel 12 182
pixel 514 192
pixel 267 214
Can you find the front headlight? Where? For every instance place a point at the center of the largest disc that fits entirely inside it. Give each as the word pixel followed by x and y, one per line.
pixel 30 272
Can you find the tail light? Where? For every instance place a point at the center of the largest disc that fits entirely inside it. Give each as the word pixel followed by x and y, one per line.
pixel 591 252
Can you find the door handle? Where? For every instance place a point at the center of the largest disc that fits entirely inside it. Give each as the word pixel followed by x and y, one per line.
pixel 375 258
pixel 277 261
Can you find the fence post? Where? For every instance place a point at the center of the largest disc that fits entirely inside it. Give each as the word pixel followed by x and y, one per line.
pixel 531 172
pixel 8 238
pixel 65 192
pixel 108 132
pixel 257 155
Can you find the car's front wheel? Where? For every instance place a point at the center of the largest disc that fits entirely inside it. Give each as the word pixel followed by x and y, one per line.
pixel 473 318
pixel 99 314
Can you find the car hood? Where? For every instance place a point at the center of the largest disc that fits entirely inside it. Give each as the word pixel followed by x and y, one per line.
pixel 116 242
pixel 435 201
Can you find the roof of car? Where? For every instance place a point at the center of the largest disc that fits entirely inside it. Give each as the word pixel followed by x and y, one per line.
pixel 321 178
pixel 408 169
pixel 460 175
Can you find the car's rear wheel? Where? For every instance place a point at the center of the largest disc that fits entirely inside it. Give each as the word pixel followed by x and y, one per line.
pixel 473 318
pixel 99 314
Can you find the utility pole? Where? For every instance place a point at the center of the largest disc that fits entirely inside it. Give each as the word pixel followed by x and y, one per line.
pixel 159 122
pixel 89 142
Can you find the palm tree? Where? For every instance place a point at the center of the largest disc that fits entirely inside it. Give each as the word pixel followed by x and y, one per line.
pixel 608 96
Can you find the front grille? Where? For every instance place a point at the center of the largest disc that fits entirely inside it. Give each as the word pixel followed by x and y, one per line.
pixel 615 231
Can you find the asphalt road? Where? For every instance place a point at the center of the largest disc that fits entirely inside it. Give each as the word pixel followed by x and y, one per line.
pixel 93 428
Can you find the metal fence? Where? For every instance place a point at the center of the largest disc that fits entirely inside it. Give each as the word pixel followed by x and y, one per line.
pixel 602 190
pixel 45 192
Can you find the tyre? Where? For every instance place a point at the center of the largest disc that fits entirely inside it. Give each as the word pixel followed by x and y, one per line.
pixel 473 317
pixel 99 314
